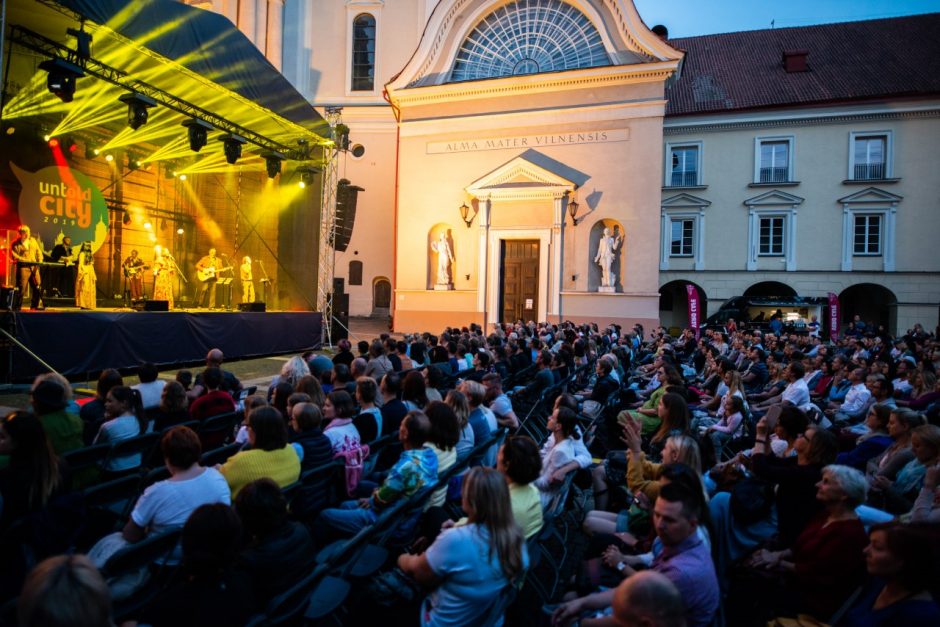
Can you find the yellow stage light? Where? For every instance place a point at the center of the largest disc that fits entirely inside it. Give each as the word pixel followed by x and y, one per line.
pixel 179 231
pixel 182 177
pixel 148 226
pixel 301 185
pixel 109 158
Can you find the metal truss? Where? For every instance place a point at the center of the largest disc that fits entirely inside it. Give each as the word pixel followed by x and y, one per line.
pixel 38 43
pixel 327 252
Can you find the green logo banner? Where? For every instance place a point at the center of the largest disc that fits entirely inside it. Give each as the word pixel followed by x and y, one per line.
pixel 58 201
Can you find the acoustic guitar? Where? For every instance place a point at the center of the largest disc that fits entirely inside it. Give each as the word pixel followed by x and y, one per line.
pixel 132 272
pixel 207 274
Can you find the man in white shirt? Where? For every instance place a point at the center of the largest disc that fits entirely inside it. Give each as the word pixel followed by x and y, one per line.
pixel 856 399
pixel 902 386
pixel 150 387
pixel 796 393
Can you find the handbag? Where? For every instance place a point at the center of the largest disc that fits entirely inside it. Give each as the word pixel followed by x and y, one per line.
pixel 393 588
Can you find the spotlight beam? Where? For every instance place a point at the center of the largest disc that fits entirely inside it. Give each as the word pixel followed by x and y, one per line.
pixel 92 67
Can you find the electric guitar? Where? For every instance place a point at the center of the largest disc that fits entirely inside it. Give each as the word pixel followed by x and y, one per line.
pixel 133 272
pixel 207 274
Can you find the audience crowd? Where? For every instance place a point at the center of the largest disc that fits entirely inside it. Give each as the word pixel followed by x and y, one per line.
pixel 540 474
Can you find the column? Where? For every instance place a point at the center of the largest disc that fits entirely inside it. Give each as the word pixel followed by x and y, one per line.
pixel 485 205
pixel 246 18
pixel 556 252
pixel 275 32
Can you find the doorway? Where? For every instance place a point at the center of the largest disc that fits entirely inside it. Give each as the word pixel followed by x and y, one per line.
pixel 519 284
pixel 381 297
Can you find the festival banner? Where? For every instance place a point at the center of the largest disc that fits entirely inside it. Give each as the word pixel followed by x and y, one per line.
pixel 694 313
pixel 833 317
pixel 58 201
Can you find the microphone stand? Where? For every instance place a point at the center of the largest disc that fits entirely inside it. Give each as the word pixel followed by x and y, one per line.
pixel 265 281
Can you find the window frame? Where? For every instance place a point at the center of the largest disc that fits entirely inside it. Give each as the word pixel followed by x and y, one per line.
pixel 783 234
pixel 791 144
pixel 683 206
pixel 699 162
pixel 856 216
pixel 353 40
pixel 684 220
pixel 888 153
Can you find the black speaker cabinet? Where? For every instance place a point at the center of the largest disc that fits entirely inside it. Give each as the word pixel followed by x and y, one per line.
pixel 9 297
pixel 156 305
pixel 251 307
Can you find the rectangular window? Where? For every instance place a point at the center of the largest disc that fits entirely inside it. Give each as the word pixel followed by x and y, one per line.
pixel 870 152
pixel 774 162
pixel 867 235
pixel 771 237
pixel 684 166
pixel 681 242
pixel 363 53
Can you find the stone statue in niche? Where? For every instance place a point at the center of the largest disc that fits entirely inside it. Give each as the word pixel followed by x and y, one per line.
pixel 606 252
pixel 445 258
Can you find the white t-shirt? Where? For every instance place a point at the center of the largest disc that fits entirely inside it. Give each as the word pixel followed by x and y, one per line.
pixel 343 438
pixel 150 392
pixel 797 393
pixel 168 504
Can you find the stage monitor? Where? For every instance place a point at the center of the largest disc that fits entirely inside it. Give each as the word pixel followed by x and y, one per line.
pixel 152 305
pixel 251 307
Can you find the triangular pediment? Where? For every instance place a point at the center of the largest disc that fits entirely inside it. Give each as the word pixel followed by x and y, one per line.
pixel 520 178
pixel 684 201
pixel 871 195
pixel 773 198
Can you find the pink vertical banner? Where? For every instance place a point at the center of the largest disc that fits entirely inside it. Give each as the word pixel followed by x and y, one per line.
pixel 834 317
pixel 695 317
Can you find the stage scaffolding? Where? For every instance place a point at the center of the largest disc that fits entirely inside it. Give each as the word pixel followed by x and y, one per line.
pixel 327 252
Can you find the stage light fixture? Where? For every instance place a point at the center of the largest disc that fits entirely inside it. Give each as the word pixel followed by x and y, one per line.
pixel 10 130
pixel 272 163
pixel 306 172
pixel 109 157
pixel 180 231
pixel 147 225
pixel 53 142
pixel 198 132
pixel 46 137
pixel 182 177
pixel 82 42
pixel 138 109
pixel 232 145
pixel 62 76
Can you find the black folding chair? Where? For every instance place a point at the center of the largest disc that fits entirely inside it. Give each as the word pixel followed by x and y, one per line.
pixel 141 445
pixel 215 431
pixel 219 455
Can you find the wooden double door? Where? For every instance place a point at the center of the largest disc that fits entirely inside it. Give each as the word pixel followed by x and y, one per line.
pixel 519 280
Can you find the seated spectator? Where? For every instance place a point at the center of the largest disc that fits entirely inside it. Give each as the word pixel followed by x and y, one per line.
pixel 897 496
pixel 185 378
pixel 123 420
pixel 64 430
pixel 311 386
pixel 413 391
pixel 211 591
pixel 648 598
pixel 563 426
pixel 729 425
pixel 338 412
pixel 279 551
pixel 543 378
pixel 872 442
pixel 251 403
pixel 379 364
pixel 902 563
pixel 33 475
pixel 150 387
pixel 305 430
pixel 393 410
pixel 65 591
pixel 92 412
pixel 445 433
pixel 369 421
pixel 292 400
pixel 795 478
pixel 520 462
pixel 172 409
pixel 499 403
pixel 790 425
pixel 167 504
pixel 434 382
pixel 481 419
pixel 280 397
pixel 414 470
pixel 401 351
pixel 458 402
pixel 825 563
pixel 851 409
pixel 293 370
pixel 901 423
pixel 344 354
pixel 230 382
pixel 470 567
pixel 927 506
pixel 928 388
pixel 270 455
pixel 682 557
pixel 674 420
pixel 648 412
pixel 215 401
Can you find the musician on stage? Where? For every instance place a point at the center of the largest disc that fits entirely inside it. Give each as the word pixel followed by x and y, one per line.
pixel 207 270
pixel 163 271
pixel 27 252
pixel 134 268
pixel 63 278
pixel 248 284
pixel 86 283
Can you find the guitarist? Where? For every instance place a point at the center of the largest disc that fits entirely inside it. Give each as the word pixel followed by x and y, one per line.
pixel 208 269
pixel 134 271
pixel 27 251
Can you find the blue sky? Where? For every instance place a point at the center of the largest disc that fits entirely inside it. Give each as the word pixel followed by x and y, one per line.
pixel 687 18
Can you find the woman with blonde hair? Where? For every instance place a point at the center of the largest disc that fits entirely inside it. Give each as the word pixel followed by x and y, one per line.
pixel 293 370
pixel 461 407
pixel 472 567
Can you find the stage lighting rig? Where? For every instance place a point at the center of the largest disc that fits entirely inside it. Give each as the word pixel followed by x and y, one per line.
pixel 62 76
pixel 138 109
pixel 198 131
pixel 272 163
pixel 82 42
pixel 306 172
pixel 232 145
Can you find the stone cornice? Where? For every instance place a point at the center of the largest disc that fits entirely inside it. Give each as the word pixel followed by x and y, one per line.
pixel 594 77
pixel 672 127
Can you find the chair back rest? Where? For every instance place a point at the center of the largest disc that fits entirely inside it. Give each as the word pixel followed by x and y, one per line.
pixel 556 507
pixel 143 553
pixel 142 444
pixel 111 492
pixel 219 455
pixel 87 457
pixel 291 603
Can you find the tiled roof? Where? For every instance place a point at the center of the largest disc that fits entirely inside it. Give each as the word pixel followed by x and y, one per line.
pixel 847 61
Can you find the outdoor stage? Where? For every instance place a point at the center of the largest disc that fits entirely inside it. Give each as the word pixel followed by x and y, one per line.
pixel 82 343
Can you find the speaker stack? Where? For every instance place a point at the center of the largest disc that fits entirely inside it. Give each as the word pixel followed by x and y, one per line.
pixel 340 303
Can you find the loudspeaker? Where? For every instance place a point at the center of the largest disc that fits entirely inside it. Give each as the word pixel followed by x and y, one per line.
pixel 340 305
pixel 152 305
pixel 339 285
pixel 251 307
pixel 346 197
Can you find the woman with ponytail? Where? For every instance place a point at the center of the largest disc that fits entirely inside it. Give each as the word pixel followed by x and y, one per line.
pixel 124 419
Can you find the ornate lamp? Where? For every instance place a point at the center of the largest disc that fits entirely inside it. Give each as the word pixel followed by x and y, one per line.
pixel 573 211
pixel 465 211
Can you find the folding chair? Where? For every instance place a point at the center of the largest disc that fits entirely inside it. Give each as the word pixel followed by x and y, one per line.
pixel 289 605
pixel 215 431
pixel 142 445
pixel 219 455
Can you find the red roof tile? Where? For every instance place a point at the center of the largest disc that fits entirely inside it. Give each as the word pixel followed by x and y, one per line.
pixel 848 61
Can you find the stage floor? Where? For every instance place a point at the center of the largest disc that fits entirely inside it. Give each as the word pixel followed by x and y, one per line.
pixel 81 343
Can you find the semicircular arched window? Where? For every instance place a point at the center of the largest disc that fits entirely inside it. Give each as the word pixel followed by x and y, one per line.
pixel 529 37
